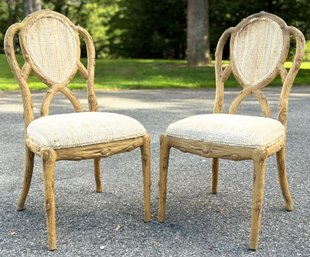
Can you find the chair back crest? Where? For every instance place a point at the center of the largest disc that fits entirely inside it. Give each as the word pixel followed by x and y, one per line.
pixel 259 47
pixel 50 45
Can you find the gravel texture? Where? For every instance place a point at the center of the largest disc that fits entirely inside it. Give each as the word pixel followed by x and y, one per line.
pixel 198 223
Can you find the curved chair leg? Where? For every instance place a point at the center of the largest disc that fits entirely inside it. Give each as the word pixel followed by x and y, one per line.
pixel 215 173
pixel 163 170
pixel 289 204
pixel 257 197
pixel 29 160
pixel 146 168
pixel 97 171
pixel 49 158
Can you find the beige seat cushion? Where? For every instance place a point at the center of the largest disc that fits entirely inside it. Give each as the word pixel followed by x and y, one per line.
pixel 228 129
pixel 81 129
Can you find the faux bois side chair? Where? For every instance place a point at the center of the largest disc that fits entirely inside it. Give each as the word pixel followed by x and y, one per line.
pixel 50 45
pixel 259 46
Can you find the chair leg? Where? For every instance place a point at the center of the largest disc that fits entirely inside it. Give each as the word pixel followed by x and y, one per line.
pixel 289 204
pixel 29 160
pixel 146 169
pixel 49 158
pixel 97 171
pixel 163 170
pixel 260 160
pixel 215 173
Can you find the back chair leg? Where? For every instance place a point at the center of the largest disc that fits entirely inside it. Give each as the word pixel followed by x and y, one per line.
pixel 215 173
pixel 97 171
pixel 289 204
pixel 49 158
pixel 259 160
pixel 146 168
pixel 29 160
pixel 163 170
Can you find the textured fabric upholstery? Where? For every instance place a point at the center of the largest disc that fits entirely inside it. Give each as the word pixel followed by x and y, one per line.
pixel 80 129
pixel 235 130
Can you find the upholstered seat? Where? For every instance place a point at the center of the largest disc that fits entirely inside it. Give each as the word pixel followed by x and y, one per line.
pixel 229 129
pixel 81 129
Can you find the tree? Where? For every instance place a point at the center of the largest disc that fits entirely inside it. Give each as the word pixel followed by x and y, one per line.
pixel 31 6
pixel 158 29
pixel 151 29
pixel 198 45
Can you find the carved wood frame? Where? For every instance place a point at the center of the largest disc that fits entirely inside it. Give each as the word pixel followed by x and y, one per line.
pixel 48 155
pixel 258 155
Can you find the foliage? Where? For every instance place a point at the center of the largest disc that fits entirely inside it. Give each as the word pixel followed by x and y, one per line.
pixel 151 29
pixel 226 13
pixel 95 16
pixel 10 11
pixel 146 73
pixel 154 29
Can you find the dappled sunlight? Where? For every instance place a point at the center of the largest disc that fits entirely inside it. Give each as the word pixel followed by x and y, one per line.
pixel 304 65
pixel 10 103
pixel 11 108
pixel 300 94
pixel 120 103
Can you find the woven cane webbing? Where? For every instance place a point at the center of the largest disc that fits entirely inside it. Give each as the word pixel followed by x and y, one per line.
pixel 52 46
pixel 257 50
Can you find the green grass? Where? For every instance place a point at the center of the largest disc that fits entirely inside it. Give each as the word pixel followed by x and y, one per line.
pixel 135 73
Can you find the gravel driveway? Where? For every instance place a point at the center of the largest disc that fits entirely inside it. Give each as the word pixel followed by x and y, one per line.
pixel 198 223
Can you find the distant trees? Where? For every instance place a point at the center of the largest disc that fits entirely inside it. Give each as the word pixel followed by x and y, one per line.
pixel 157 29
pixel 151 29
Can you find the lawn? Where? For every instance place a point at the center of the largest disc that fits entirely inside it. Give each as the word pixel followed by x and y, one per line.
pixel 135 73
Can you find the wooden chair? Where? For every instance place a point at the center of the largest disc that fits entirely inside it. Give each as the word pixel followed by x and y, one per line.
pixel 259 46
pixel 50 47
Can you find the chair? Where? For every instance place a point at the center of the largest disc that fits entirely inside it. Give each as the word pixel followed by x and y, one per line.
pixel 50 47
pixel 259 46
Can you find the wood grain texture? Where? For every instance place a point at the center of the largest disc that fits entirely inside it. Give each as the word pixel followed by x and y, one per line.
pixel 102 150
pixel 259 160
pixel 281 163
pixel 215 175
pixel 97 173
pixel 163 171
pixel 29 162
pixel 146 170
pixel 49 158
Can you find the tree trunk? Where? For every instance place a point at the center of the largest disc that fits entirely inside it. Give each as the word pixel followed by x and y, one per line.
pixel 31 6
pixel 11 9
pixel 27 7
pixel 198 45
pixel 37 5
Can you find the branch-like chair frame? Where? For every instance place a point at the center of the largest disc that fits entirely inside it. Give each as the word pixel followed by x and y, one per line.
pixel 58 84
pixel 259 155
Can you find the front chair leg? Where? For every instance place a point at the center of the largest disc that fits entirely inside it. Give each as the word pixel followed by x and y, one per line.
pixel 49 158
pixel 146 168
pixel 29 160
pixel 97 171
pixel 163 170
pixel 289 204
pixel 259 159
